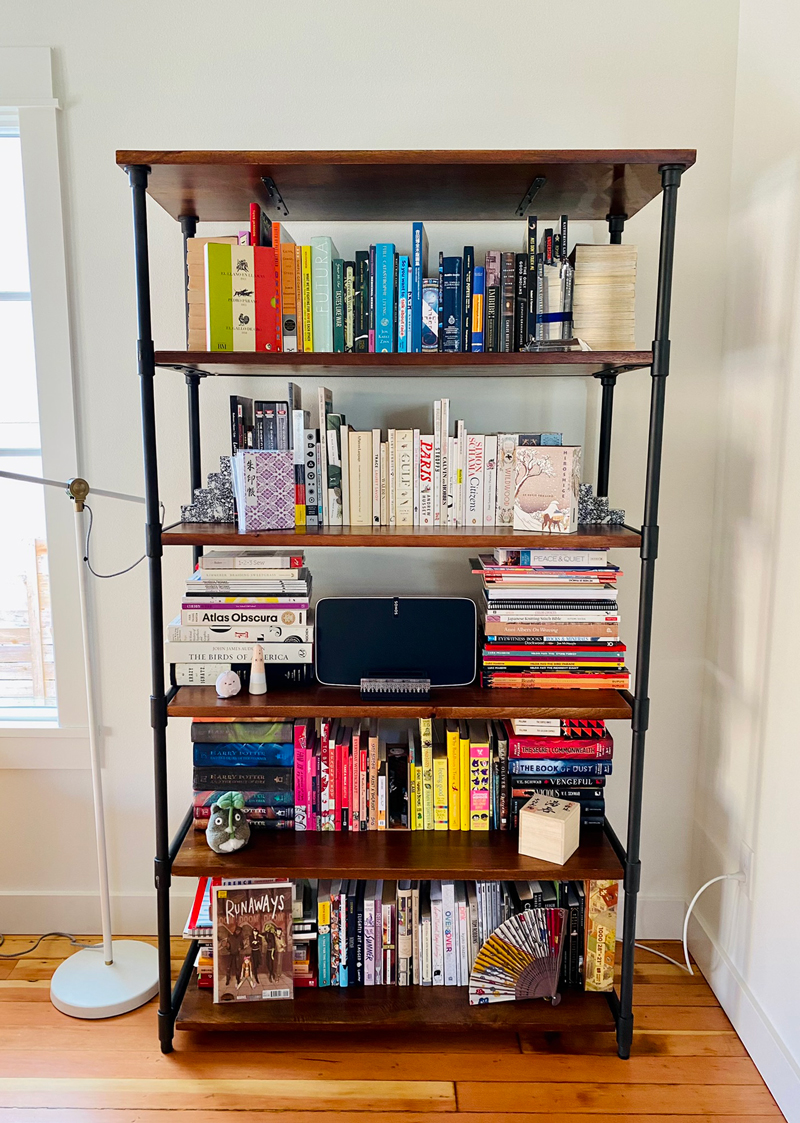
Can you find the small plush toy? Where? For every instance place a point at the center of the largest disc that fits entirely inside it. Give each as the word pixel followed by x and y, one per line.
pixel 228 684
pixel 228 828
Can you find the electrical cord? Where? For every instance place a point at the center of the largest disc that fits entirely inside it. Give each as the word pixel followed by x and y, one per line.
pixel 33 947
pixel 120 572
pixel 740 876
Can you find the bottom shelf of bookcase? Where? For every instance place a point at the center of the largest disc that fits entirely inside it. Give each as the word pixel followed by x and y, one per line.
pixel 391 1008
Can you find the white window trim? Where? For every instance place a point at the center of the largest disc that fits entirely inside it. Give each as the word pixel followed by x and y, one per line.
pixel 26 88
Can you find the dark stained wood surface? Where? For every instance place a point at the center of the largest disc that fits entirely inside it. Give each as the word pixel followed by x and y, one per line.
pixel 582 364
pixel 477 855
pixel 460 701
pixel 392 1008
pixel 454 537
pixel 405 185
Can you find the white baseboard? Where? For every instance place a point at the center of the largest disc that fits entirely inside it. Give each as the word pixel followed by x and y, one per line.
pixel 779 1069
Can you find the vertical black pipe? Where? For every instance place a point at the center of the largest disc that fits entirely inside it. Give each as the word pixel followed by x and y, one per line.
pixel 189 229
pixel 616 224
pixel 158 707
pixel 670 180
pixel 195 472
pixel 608 382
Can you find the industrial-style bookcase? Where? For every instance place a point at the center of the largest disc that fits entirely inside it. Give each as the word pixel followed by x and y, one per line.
pixel 401 186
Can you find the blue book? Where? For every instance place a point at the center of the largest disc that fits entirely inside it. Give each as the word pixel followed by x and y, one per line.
pixel 419 271
pixel 384 296
pixel 469 270
pixel 478 293
pixel 452 304
pixel 242 754
pixel 403 304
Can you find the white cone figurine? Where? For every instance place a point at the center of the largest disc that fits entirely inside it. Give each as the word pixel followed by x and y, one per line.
pixel 258 677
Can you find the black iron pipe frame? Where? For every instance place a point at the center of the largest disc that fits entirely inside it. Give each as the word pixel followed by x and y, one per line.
pixel 608 381
pixel 188 229
pixel 138 175
pixel 182 981
pixel 670 181
pixel 195 471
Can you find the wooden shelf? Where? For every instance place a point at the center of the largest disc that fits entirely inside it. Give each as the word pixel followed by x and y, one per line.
pixel 453 537
pixel 406 185
pixel 354 1009
pixel 457 702
pixel 559 364
pixel 476 855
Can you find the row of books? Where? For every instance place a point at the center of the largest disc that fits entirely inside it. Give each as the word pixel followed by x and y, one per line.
pixel 346 774
pixel 238 598
pixel 261 939
pixel 343 476
pixel 262 292
pixel 550 618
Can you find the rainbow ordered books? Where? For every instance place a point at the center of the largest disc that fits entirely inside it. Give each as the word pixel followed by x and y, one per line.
pixel 551 619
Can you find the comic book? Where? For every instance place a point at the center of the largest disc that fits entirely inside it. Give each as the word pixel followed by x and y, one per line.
pixel 253 952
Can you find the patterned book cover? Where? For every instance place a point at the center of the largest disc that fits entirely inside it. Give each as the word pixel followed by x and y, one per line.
pixel 546 485
pixel 268 490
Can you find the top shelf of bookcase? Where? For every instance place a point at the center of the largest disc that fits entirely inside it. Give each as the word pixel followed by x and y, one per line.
pixel 347 186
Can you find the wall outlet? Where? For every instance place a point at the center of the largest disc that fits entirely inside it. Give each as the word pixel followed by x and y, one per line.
pixel 746 866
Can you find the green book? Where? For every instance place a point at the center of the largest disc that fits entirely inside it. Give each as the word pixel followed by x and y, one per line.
pixel 323 251
pixel 219 298
pixel 426 746
pixel 338 304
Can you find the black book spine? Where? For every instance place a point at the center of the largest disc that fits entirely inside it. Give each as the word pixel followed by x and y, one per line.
pixel 242 779
pixel 270 424
pixel 562 238
pixel 371 305
pixel 361 302
pixel 492 317
pixel 507 302
pixel 547 246
pixel 351 935
pixel 360 934
pixel 258 426
pixel 530 249
pixel 521 302
pixel 440 333
pixel 468 275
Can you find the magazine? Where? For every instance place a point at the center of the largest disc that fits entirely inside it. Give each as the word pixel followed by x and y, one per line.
pixel 253 952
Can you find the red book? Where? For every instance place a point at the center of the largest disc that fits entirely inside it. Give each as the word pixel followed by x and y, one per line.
pixel 556 748
pixel 255 224
pixel 268 316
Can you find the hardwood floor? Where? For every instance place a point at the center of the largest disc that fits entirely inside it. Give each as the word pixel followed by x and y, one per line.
pixel 688 1065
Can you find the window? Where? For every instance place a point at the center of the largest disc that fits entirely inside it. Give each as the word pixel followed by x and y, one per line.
pixel 27 669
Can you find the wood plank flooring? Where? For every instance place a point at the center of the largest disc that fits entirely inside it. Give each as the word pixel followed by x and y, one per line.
pixel 687 1065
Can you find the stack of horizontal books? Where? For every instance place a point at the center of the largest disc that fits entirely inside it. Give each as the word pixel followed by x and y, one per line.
pixel 550 619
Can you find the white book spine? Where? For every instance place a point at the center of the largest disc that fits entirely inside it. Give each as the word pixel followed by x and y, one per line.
pixel 198 674
pixel 445 451
pixel 243 298
pixel 416 476
pixel 334 460
pixel 404 477
pixel 472 908
pixel 391 490
pixel 384 483
pixel 324 402
pixel 187 633
pixel 344 442
pixel 451 480
pixel 236 652
pixel 504 508
pixel 312 480
pixel 426 950
pixel 437 463
pixel 426 480
pixel 458 476
pixel 369 943
pixel 449 933
pixel 489 478
pixel 437 937
pixel 474 482
pixel 378 922
pixel 228 615
pixel 376 477
pixel 463 942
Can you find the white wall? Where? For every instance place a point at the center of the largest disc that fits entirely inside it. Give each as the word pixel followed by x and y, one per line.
pixel 181 75
pixel 749 773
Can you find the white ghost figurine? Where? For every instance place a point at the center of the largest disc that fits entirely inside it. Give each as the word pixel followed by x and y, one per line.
pixel 228 684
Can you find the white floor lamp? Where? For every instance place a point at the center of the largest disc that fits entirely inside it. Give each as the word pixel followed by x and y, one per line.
pixel 86 985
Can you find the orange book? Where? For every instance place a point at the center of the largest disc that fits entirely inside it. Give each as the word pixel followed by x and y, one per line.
pixel 298 274
pixel 289 296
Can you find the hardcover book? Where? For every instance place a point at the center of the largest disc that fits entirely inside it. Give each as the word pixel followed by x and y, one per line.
pixel 546 486
pixel 264 483
pixel 323 253
pixel 419 268
pixel 384 296
pixel 253 949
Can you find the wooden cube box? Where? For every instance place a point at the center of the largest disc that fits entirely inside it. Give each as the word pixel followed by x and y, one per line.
pixel 549 829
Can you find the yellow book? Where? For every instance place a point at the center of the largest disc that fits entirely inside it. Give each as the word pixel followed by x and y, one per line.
pixel 308 314
pixel 298 274
pixel 412 784
pixel 453 775
pixel 463 761
pixel 440 788
pixel 426 743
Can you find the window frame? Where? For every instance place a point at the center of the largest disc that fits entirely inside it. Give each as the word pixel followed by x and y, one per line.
pixel 26 92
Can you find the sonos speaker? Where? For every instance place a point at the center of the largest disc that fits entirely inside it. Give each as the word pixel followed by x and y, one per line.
pixel 421 637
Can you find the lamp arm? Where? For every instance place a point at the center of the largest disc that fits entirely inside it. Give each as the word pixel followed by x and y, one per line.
pixel 73 487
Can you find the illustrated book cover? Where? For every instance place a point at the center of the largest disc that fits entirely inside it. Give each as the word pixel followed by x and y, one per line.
pixel 253 951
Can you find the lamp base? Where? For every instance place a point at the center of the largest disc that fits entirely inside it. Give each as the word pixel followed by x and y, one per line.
pixel 84 987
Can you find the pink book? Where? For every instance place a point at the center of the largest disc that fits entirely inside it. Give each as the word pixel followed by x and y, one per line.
pixel 326 802
pixel 300 775
pixel 311 781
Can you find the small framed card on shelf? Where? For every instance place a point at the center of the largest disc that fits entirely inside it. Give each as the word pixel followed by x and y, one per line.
pixel 549 829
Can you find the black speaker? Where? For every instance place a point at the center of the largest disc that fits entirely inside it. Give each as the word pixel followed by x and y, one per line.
pixel 424 637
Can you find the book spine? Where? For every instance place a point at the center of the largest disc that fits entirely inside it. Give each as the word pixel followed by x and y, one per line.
pixel 445 464
pixel 449 934
pixel 478 296
pixel 402 303
pixel 344 455
pixel 419 269
pixel 361 302
pixel 440 792
pixel 369 943
pixel 489 479
pixel 300 790
pixel 384 483
pixel 416 478
pixel 324 941
pixel 311 479
pixel 493 280
pixel 298 280
pixel 426 481
pixel 437 462
pixel 322 254
pixel 337 268
pixel 255 224
pixel 452 306
pixel 248 615
pixel 430 314
pixel 384 296
pixel 404 477
pixel 426 743
pixel 474 482
pixel 289 317
pixel 507 302
pixel 521 302
pixel 530 249
pixel 371 298
pixel 372 778
pixel 463 771
pixel 243 298
pixel 479 786
pixel 298 427
pixel 440 302
pixel 308 313
pixel 376 477
pixel 335 513
pixel 284 437
pixel 453 779
pixel 325 802
pixel 349 305
pixel 219 311
pixel 468 277
pixel 391 487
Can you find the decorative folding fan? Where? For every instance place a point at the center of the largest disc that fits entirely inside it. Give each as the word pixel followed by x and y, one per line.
pixel 521 959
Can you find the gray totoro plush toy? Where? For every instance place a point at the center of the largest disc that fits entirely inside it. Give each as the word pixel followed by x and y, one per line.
pixel 228 828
